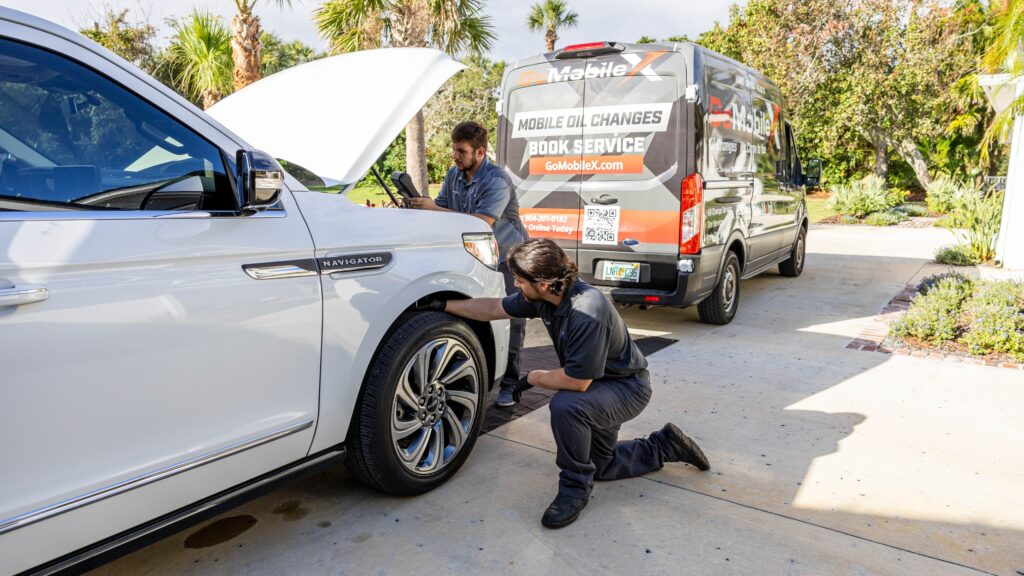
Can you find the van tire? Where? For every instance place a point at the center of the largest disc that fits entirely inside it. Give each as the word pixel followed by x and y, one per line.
pixel 376 455
pixel 720 307
pixel 794 266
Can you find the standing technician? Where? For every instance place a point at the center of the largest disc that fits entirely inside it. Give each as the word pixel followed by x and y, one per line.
pixel 477 187
pixel 602 383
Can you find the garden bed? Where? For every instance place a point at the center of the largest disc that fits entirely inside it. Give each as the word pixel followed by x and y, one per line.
pixel 964 321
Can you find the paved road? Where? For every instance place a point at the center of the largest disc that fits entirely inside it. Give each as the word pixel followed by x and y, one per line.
pixel 824 460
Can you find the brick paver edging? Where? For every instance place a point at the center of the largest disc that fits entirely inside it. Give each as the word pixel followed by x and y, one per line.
pixel 873 338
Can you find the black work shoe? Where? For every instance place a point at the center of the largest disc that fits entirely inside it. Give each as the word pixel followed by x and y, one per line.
pixel 686 449
pixel 563 511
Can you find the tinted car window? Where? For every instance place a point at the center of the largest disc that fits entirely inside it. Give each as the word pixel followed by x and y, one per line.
pixel 727 120
pixel 70 138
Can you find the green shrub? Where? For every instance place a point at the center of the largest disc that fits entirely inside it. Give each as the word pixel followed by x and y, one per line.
pixel 913 210
pixel 955 255
pixel 995 320
pixel 977 217
pixel 928 282
pixel 948 222
pixel 934 316
pixel 943 193
pixel 860 198
pixel 888 218
pixel 896 197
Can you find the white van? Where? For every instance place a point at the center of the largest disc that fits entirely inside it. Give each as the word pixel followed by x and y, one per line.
pixel 182 324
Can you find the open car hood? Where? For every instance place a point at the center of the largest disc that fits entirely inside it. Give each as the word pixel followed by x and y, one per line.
pixel 335 116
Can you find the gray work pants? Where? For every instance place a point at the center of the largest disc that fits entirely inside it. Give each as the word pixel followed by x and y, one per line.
pixel 586 428
pixel 517 335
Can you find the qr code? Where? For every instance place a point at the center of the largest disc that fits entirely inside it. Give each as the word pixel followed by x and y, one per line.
pixel 601 224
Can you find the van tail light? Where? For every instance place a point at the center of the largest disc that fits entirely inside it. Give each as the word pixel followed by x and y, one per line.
pixel 691 214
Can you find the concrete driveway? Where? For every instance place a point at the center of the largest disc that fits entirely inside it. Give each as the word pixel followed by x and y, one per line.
pixel 824 460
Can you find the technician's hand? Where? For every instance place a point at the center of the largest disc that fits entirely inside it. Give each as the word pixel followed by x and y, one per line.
pixel 423 203
pixel 431 305
pixel 521 385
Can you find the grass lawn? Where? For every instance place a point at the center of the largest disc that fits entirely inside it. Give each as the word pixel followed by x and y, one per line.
pixel 817 209
pixel 372 192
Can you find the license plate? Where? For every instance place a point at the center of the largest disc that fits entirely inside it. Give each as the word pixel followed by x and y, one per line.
pixel 622 271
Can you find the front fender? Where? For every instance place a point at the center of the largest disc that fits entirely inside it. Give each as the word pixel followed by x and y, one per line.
pixel 360 309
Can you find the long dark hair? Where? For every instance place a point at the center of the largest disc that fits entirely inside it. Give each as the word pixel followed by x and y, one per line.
pixel 541 260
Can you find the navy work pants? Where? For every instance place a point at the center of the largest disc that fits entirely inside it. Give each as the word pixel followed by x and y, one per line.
pixel 517 335
pixel 586 428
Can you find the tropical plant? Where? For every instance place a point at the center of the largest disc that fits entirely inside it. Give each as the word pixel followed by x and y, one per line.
pixel 551 16
pixel 198 60
pixel 954 255
pixel 455 26
pixel 978 218
pixel 245 42
pixel 862 197
pixel 277 55
pixel 889 218
pixel 943 194
pixel 1006 54
pixel 132 41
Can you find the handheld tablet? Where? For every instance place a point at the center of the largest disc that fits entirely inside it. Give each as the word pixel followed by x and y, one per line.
pixel 403 182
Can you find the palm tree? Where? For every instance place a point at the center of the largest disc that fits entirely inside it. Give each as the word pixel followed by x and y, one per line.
pixel 551 16
pixel 455 26
pixel 245 42
pixel 198 60
pixel 1006 54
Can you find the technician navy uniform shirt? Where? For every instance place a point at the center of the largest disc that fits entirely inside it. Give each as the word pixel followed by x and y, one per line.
pixel 490 193
pixel 589 335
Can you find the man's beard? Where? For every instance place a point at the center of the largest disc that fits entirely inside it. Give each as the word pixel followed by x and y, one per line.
pixel 470 166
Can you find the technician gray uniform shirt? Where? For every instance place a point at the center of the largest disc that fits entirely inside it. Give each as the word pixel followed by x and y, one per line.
pixel 589 335
pixel 490 193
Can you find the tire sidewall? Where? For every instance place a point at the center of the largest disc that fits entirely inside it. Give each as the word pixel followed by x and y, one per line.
pixel 374 424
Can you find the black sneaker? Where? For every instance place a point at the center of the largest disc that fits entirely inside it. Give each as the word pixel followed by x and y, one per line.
pixel 563 511
pixel 686 449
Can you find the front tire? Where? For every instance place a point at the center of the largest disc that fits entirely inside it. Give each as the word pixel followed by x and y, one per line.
pixel 795 265
pixel 421 407
pixel 720 306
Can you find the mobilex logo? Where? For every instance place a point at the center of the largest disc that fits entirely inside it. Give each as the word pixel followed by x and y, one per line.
pixel 634 65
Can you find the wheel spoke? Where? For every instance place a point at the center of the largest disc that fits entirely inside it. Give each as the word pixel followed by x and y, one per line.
pixel 422 361
pixel 405 393
pixel 443 354
pixel 436 448
pixel 465 368
pixel 402 429
pixel 457 435
pixel 414 456
pixel 466 400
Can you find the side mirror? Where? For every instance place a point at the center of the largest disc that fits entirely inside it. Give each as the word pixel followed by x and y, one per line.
pixel 259 180
pixel 812 173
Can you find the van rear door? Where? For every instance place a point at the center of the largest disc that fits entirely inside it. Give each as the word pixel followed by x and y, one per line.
pixel 542 124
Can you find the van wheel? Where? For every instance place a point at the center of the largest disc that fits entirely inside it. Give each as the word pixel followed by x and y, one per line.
pixel 720 306
pixel 421 406
pixel 794 266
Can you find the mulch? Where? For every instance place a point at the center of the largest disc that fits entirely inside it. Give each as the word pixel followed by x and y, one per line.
pixel 545 358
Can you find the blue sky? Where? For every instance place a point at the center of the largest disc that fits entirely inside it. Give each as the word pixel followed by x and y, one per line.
pixel 598 19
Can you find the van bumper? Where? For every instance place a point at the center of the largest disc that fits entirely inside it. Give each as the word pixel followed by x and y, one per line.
pixel 689 287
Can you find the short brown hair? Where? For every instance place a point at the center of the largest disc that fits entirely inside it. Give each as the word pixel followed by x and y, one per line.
pixel 471 132
pixel 541 260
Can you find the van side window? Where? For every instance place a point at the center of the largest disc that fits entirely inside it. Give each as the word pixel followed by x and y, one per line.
pixel 792 158
pixel 767 130
pixel 72 139
pixel 726 112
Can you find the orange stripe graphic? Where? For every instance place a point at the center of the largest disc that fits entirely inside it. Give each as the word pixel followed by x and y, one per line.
pixel 651 57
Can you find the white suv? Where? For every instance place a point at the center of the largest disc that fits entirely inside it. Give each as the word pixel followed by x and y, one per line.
pixel 181 324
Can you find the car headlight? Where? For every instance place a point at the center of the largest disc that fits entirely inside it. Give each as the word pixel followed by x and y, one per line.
pixel 483 247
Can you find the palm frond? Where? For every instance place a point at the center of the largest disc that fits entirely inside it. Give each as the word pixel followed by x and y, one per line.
pixel 200 55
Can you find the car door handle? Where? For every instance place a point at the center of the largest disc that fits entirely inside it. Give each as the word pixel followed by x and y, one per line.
pixel 728 199
pixel 25 294
pixel 604 199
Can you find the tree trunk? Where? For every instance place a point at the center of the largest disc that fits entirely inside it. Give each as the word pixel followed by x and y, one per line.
pixel 909 152
pixel 245 48
pixel 881 144
pixel 551 37
pixel 416 153
pixel 210 97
